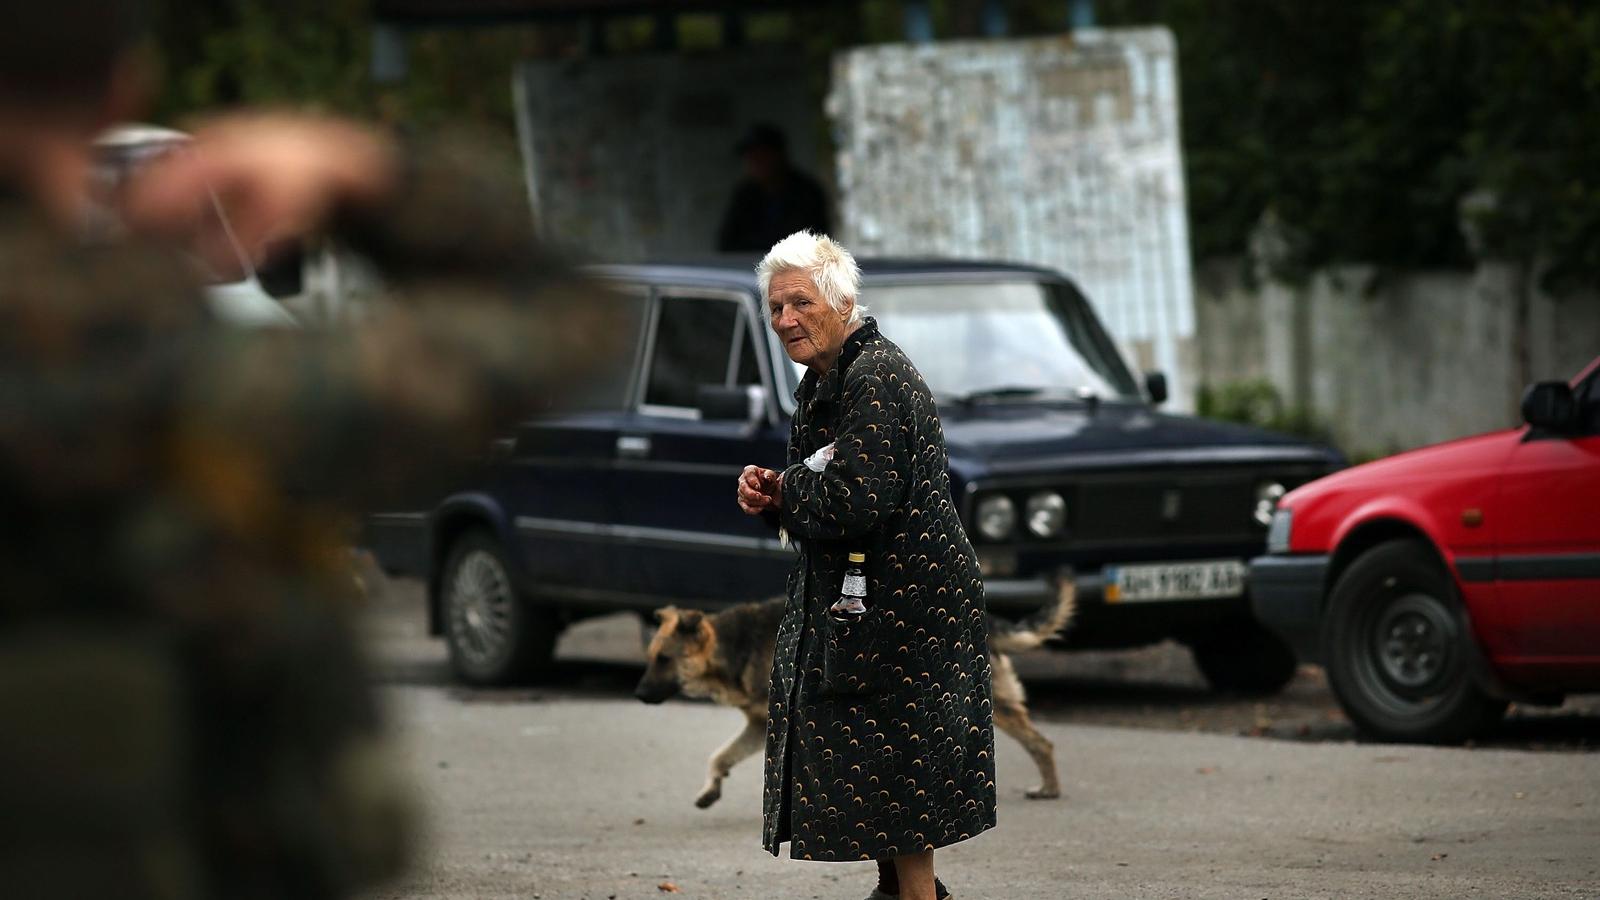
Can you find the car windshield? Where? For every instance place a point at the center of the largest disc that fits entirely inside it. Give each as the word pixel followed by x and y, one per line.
pixel 1002 339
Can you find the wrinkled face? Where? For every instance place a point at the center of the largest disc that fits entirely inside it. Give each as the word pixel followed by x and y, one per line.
pixel 679 649
pixel 811 330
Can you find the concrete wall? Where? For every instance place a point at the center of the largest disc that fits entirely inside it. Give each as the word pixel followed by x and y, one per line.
pixel 632 156
pixel 1394 362
pixel 1060 151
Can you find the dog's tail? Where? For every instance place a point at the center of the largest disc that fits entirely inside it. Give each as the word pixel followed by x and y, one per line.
pixel 1032 632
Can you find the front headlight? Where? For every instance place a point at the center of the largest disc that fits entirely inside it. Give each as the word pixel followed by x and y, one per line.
pixel 1278 532
pixel 1267 495
pixel 997 516
pixel 1046 514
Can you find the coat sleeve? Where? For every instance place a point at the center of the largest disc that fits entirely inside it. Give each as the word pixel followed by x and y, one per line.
pixel 863 483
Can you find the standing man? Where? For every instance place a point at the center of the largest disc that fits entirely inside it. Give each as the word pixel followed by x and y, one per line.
pixel 773 200
pixel 186 714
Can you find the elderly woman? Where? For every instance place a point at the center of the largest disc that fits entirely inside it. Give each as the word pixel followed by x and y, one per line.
pixel 880 743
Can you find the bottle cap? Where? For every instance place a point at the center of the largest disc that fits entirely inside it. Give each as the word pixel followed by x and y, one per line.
pixel 858 557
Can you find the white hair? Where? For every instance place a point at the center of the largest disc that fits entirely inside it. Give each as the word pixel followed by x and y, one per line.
pixel 831 267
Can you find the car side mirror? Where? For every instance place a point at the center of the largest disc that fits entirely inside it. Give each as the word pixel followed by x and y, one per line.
pixel 1155 383
pixel 1549 405
pixel 743 403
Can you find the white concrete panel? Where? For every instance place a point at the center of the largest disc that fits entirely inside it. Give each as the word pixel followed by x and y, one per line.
pixel 1059 151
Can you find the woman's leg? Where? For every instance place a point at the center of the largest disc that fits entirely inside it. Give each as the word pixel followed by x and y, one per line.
pixel 915 871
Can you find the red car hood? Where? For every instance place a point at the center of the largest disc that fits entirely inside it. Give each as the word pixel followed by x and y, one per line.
pixel 1410 472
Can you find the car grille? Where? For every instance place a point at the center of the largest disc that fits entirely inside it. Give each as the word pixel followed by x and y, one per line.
pixel 1122 509
pixel 1141 508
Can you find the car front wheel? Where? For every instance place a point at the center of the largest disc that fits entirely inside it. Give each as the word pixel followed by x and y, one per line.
pixel 1399 652
pixel 496 635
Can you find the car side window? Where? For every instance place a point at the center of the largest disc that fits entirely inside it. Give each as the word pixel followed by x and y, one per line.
pixel 692 343
pixel 747 367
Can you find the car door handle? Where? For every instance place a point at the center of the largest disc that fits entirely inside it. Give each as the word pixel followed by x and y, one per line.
pixel 633 446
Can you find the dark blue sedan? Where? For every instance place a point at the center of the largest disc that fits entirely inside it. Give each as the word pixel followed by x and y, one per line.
pixel 1056 450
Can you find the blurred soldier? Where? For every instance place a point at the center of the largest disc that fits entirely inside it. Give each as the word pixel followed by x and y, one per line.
pixel 184 711
pixel 773 200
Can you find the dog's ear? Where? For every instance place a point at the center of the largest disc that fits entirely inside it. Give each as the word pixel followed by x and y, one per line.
pixel 689 621
pixel 661 614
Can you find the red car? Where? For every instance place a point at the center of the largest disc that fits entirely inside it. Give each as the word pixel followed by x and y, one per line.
pixel 1438 585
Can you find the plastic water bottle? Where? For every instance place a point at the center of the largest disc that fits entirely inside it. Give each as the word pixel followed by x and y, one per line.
pixel 852 602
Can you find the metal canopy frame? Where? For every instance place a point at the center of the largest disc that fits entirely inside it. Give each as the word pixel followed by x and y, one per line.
pixel 425 13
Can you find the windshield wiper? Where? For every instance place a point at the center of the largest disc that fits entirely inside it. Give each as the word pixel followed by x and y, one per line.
pixel 1000 393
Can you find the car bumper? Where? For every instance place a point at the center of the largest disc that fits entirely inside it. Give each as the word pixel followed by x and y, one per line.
pixel 1099 625
pixel 1021 595
pixel 1286 597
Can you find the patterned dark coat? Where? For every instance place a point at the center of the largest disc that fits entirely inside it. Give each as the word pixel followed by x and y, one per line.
pixel 880 740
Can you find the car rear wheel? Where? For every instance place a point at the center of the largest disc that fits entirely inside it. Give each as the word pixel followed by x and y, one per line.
pixel 1400 656
pixel 1246 659
pixel 496 635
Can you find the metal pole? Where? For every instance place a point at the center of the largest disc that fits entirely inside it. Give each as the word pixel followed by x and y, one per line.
pixel 389 62
pixel 666 32
pixel 733 35
pixel 918 22
pixel 1080 14
pixel 995 22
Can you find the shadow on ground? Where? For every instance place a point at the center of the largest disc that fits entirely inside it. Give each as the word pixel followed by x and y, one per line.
pixel 1154 687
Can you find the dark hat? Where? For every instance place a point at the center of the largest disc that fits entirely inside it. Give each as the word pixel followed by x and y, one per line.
pixel 762 134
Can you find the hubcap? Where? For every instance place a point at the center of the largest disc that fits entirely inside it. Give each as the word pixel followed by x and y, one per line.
pixel 1410 648
pixel 1412 651
pixel 480 601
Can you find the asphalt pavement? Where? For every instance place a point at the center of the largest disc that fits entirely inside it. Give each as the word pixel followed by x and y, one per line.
pixel 575 790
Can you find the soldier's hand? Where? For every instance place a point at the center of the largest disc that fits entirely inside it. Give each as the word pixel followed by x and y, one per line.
pixel 279 176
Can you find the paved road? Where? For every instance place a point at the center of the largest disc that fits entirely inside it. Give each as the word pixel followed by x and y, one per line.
pixel 577 791
pixel 591 798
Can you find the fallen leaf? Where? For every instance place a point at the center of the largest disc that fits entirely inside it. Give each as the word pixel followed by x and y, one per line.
pixel 1438 856
pixel 667 887
pixel 1208 770
pixel 1518 795
pixel 638 821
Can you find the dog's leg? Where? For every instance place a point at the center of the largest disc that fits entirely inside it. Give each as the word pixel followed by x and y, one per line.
pixel 749 740
pixel 1013 720
pixel 1011 716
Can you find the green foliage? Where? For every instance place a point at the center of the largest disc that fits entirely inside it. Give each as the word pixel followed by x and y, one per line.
pixel 1365 124
pixel 317 54
pixel 1256 402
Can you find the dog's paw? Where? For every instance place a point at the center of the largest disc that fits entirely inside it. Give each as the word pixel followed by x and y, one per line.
pixel 1041 793
pixel 707 798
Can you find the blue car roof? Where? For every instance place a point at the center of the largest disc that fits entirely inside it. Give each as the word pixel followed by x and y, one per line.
pixel 739 270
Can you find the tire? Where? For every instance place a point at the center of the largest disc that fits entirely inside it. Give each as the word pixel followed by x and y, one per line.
pixel 495 633
pixel 1400 655
pixel 1246 659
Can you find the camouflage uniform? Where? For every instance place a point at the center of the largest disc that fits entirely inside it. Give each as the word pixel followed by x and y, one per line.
pixel 185 713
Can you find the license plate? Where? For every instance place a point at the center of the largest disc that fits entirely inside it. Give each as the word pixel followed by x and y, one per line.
pixel 1207 580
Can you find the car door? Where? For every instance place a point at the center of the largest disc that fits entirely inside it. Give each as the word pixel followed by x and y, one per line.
pixel 556 477
pixel 686 539
pixel 1548 563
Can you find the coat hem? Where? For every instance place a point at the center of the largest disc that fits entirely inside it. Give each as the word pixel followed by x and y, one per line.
pixel 871 856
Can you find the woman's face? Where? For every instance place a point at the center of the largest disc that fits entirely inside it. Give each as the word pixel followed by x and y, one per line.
pixel 811 330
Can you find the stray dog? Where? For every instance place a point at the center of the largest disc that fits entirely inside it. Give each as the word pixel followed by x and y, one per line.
pixel 726 657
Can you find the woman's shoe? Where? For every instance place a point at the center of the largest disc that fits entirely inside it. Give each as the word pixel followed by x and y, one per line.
pixel 943 893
